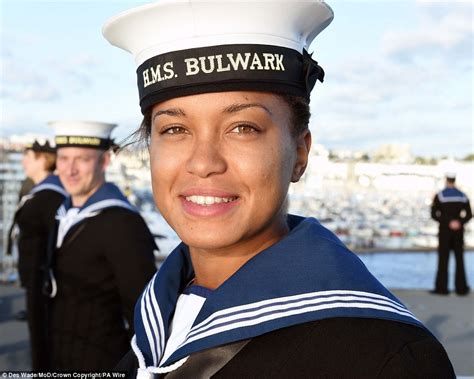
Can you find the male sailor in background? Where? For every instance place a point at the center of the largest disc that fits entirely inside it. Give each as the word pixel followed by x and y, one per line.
pixel 34 219
pixel 452 210
pixel 103 255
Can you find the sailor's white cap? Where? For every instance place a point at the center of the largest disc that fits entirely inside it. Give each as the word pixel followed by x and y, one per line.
pixel 183 47
pixel 82 134
pixel 450 174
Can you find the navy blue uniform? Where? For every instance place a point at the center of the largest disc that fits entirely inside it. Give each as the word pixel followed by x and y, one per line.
pixel 35 220
pixel 102 261
pixel 306 307
pixel 448 205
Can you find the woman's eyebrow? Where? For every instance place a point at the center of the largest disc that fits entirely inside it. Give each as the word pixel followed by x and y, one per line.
pixel 239 107
pixel 169 112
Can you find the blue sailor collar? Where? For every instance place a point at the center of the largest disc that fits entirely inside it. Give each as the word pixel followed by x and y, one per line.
pixel 449 195
pixel 309 275
pixel 52 183
pixel 107 196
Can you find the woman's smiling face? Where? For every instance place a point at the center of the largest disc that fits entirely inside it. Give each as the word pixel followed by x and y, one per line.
pixel 221 165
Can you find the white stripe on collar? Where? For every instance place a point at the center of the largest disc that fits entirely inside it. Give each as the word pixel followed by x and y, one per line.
pixel 49 186
pixel 68 219
pixel 281 303
pixel 160 320
pixel 451 199
pixel 151 336
pixel 61 211
pixel 153 323
pixel 41 187
pixel 23 200
pixel 66 222
pixel 100 205
pixel 266 310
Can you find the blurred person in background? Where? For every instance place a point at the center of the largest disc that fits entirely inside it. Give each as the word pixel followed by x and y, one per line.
pixel 103 255
pixel 35 219
pixel 26 186
pixel 452 210
pixel 252 291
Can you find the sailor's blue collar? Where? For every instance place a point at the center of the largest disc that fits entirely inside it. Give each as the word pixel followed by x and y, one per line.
pixel 452 194
pixel 107 196
pixel 306 276
pixel 108 191
pixel 452 191
pixel 51 182
pixel 197 290
pixel 51 179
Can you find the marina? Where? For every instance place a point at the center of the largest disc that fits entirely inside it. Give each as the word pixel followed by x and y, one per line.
pixel 380 211
pixel 371 207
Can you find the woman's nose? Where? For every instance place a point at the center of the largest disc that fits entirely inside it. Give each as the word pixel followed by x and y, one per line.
pixel 206 159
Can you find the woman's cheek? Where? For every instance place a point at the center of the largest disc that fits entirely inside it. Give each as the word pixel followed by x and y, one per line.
pixel 166 166
pixel 157 175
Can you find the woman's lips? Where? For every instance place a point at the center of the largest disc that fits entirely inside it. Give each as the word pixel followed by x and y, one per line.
pixel 205 205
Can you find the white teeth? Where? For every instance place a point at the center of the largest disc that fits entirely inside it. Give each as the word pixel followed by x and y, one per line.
pixel 208 200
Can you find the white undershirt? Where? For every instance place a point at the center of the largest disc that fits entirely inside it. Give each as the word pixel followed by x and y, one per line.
pixel 65 224
pixel 187 309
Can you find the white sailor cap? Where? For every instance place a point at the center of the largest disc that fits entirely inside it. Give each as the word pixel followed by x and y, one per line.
pixel 185 47
pixel 450 175
pixel 83 134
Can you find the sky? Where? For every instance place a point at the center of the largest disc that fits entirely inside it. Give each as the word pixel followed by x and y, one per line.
pixel 396 72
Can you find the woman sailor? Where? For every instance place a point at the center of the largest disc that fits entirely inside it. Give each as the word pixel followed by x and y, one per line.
pixel 251 291
pixel 35 221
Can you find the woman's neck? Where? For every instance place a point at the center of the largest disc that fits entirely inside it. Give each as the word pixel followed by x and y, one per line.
pixel 212 267
pixel 39 176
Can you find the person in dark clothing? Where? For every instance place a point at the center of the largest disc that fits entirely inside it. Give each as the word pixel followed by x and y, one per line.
pixel 34 219
pixel 102 259
pixel 26 187
pixel 252 291
pixel 452 210
pixel 329 348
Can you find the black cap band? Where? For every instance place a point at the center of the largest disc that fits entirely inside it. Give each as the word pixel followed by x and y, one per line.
pixel 83 141
pixel 226 68
pixel 41 148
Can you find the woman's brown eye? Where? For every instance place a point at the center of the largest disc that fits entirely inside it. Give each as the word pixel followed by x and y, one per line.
pixel 244 129
pixel 174 130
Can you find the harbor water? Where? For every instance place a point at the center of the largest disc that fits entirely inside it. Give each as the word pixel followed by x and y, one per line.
pixel 412 270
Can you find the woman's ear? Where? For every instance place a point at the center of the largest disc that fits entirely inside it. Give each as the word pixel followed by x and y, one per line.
pixel 303 145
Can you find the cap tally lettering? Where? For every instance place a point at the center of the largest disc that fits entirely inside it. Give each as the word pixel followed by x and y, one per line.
pixel 184 48
pixel 226 67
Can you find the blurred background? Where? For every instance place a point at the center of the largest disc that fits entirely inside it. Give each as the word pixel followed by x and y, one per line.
pixel 393 115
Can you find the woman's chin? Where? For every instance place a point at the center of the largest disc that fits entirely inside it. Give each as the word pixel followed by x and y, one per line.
pixel 208 241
